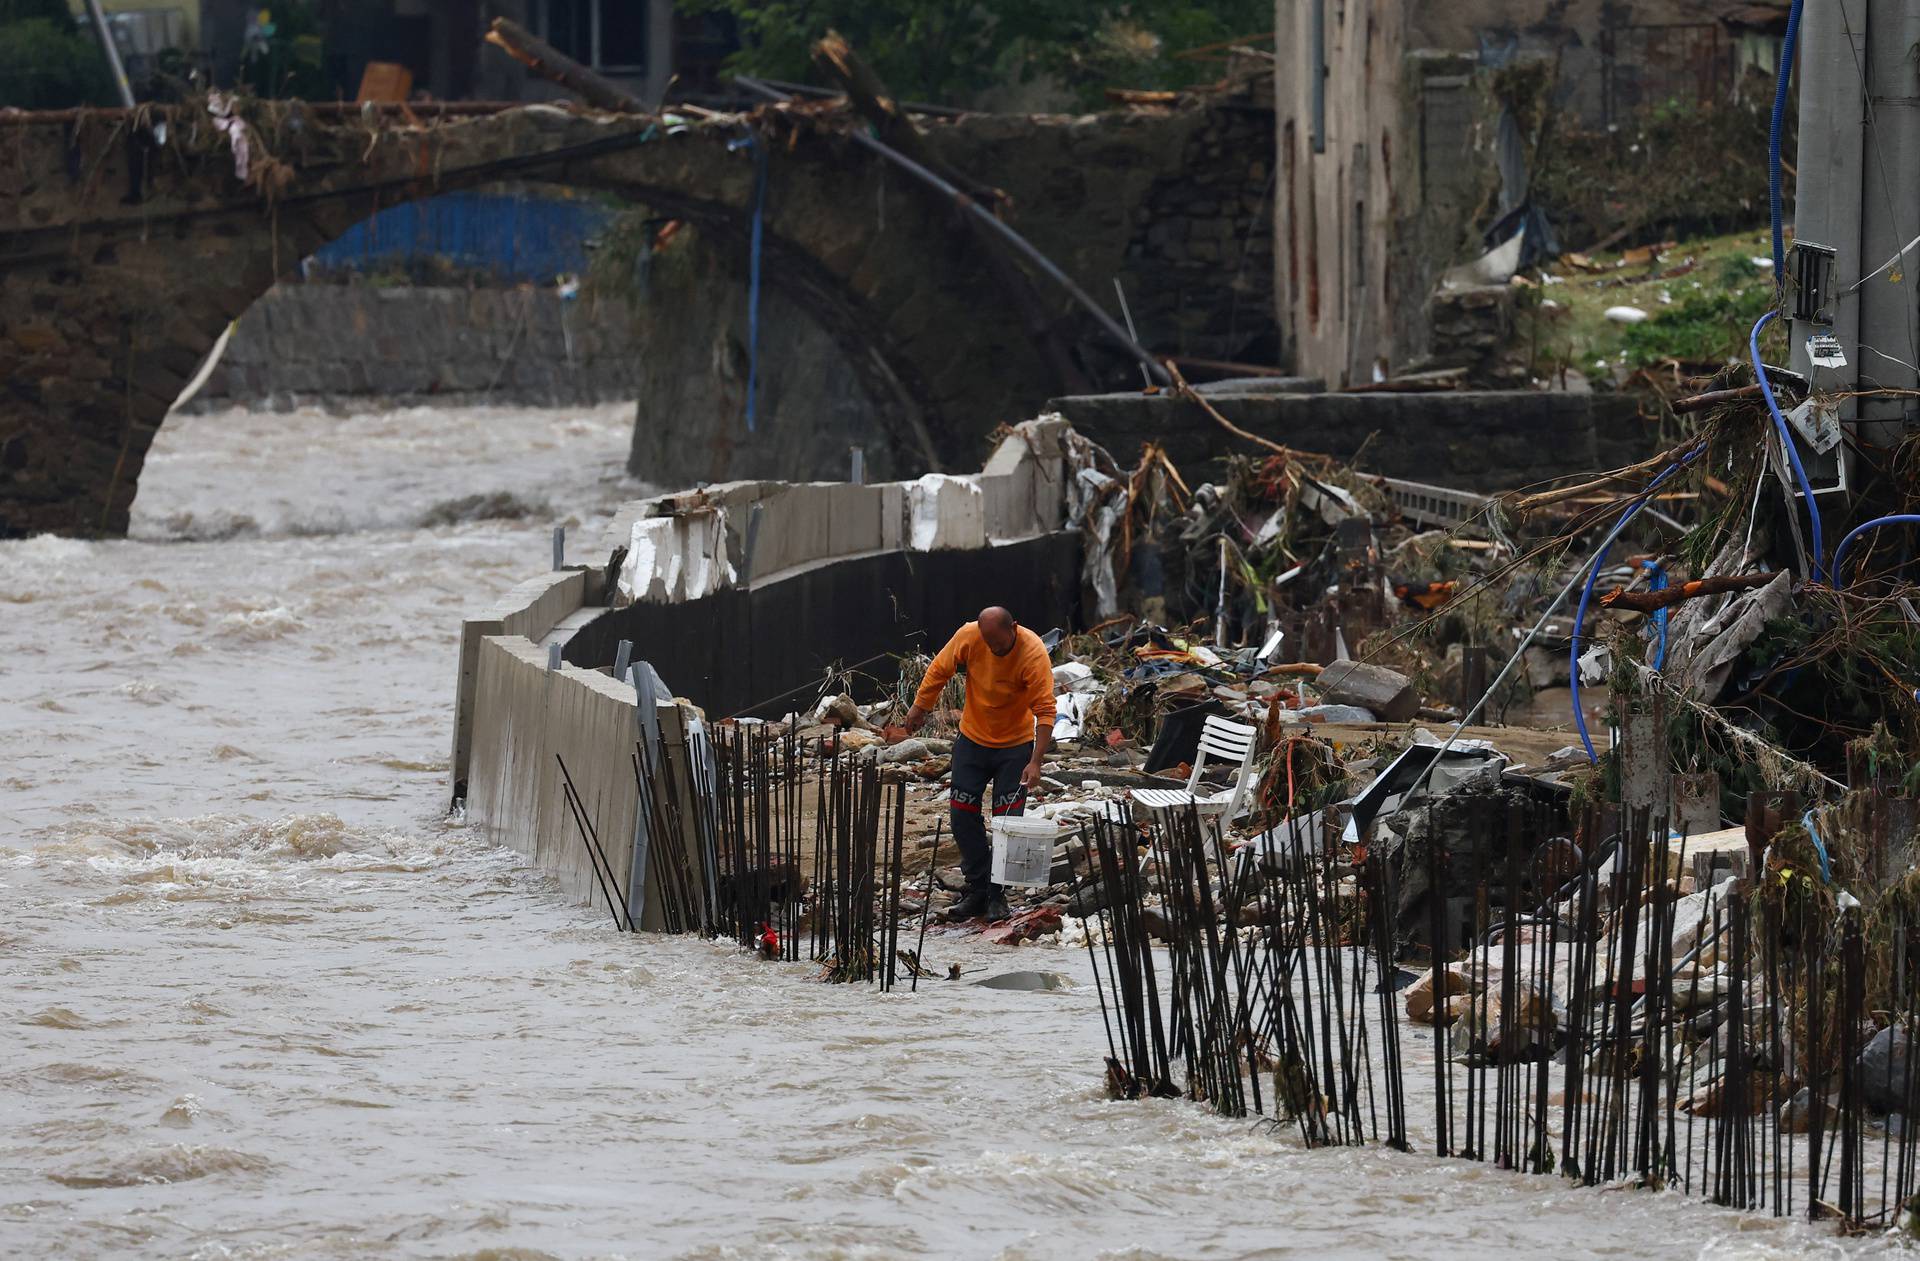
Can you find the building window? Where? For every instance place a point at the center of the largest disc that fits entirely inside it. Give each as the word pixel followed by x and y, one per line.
pixel 607 35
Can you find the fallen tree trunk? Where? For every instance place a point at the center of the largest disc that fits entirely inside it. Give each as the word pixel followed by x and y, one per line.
pixel 1667 597
pixel 869 96
pixel 1607 481
pixel 550 63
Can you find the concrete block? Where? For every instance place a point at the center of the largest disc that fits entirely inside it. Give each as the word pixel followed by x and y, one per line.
pixel 944 511
pixel 472 631
pixel 1007 503
pixel 795 528
pixel 854 519
pixel 535 606
pixel 893 515
pixel 670 559
pixel 1014 450
pixel 1388 693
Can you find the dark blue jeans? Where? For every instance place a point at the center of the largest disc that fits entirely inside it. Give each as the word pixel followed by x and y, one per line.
pixel 974 767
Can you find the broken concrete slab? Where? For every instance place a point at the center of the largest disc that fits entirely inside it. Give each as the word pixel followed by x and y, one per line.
pixel 944 511
pixel 1388 693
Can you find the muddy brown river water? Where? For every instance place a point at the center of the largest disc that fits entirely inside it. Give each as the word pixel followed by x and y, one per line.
pixel 259 997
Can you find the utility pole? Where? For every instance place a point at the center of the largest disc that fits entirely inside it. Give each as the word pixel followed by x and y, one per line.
pixel 1855 194
pixel 103 32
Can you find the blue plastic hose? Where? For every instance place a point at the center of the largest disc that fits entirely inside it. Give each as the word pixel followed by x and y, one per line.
pixel 1658 583
pixel 1786 441
pixel 1782 78
pixel 1593 576
pixel 1840 553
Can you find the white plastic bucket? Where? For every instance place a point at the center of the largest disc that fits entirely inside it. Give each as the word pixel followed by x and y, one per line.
pixel 1023 850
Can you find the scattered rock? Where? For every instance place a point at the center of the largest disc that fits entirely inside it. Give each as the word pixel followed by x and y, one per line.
pixel 1388 693
pixel 1026 981
pixel 1796 1113
pixel 1883 1071
pixel 906 751
pixel 1329 713
pixel 1419 997
pixel 1089 899
pixel 841 711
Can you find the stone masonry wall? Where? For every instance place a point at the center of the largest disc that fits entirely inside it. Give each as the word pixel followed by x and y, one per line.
pixel 522 345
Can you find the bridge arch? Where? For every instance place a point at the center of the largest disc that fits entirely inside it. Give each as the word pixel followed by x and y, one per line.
pixel 109 303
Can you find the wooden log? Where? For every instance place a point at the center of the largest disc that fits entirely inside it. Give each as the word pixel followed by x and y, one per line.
pixel 1607 481
pixel 550 63
pixel 1667 597
pixel 1712 398
pixel 869 96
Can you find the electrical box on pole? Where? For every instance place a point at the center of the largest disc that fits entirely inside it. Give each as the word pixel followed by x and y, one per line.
pixel 1856 324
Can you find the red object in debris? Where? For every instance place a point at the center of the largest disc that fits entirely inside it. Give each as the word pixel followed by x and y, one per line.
pixel 770 940
pixel 1116 738
pixel 1024 927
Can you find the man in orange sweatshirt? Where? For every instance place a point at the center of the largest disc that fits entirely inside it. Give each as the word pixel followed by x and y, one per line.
pixel 1005 730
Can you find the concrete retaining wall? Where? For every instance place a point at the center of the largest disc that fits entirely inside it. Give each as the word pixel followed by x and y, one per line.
pixel 538 719
pixel 527 612
pixel 837 573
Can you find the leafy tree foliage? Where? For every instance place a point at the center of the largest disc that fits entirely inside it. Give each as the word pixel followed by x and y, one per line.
pixel 951 51
pixel 48 62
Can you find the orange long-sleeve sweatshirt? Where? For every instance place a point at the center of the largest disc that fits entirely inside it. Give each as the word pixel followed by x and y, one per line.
pixel 1006 696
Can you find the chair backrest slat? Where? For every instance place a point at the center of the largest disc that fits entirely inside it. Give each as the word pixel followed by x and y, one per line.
pixel 1226 740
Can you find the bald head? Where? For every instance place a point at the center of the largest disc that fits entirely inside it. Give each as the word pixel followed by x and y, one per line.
pixel 997 627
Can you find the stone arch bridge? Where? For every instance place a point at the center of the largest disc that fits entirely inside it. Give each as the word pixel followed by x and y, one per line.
pixel 121 263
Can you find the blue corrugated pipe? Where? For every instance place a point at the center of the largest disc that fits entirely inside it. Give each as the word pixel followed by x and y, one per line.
pixel 1786 441
pixel 1781 80
pixel 1658 583
pixel 1840 553
pixel 1586 592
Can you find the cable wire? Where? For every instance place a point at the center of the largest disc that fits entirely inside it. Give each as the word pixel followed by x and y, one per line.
pixel 1593 576
pixel 1782 78
pixel 1786 441
pixel 1840 553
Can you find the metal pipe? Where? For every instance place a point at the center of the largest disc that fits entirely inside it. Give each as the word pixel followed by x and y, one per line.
pixel 919 948
pixel 111 52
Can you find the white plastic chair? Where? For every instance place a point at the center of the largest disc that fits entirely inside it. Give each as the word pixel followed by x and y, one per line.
pixel 1220 738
